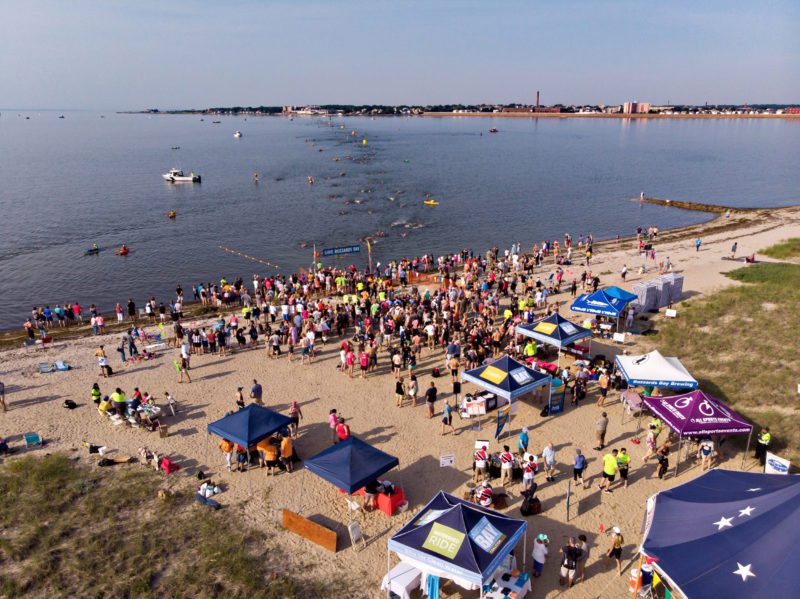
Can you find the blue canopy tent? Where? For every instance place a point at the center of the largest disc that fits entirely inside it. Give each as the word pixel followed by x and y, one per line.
pixel 726 534
pixel 506 378
pixel 555 330
pixel 349 465
pixel 248 426
pixel 625 296
pixel 458 539
pixel 603 303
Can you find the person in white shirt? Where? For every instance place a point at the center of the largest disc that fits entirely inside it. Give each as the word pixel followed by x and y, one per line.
pixel 481 457
pixel 549 458
pixel 506 466
pixel 528 471
pixel 539 554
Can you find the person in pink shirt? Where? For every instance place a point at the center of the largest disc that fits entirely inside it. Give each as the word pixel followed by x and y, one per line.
pixel 364 359
pixel 350 358
pixel 101 325
pixel 76 309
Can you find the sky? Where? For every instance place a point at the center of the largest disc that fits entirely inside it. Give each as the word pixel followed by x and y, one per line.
pixel 138 54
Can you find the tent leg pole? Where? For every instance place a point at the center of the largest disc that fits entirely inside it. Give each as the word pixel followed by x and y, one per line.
pixel 678 457
pixel 524 549
pixel 638 576
pixel 388 573
pixel 747 449
pixel 300 501
pixel 249 480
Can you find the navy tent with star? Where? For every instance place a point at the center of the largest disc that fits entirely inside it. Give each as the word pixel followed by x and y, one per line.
pixel 726 534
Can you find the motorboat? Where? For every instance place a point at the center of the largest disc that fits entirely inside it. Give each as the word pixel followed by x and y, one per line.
pixel 237 134
pixel 176 176
pixel 492 130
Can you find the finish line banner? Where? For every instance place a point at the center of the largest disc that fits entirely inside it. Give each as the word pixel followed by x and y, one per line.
pixel 347 249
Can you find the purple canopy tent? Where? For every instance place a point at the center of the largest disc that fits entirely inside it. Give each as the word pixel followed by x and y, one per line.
pixel 697 414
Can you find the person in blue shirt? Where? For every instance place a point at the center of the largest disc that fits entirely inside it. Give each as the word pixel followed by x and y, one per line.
pixel 522 443
pixel 578 465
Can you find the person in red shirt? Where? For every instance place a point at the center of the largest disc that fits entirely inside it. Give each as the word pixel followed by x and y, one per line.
pixel 342 430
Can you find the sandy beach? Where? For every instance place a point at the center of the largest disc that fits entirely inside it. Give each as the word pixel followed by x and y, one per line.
pixel 35 404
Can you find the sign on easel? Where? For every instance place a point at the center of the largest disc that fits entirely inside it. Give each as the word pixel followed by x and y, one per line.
pixel 447 460
pixel 775 465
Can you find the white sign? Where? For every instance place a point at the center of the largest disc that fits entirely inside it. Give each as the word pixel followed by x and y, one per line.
pixel 619 337
pixel 776 465
pixel 447 460
pixel 671 313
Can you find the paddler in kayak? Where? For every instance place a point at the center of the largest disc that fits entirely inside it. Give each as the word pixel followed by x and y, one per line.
pixel 123 250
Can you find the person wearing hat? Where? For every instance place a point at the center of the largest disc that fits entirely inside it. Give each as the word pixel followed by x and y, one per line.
pixel 539 554
pixel 522 443
pixel 615 551
pixel 239 397
pixel 484 494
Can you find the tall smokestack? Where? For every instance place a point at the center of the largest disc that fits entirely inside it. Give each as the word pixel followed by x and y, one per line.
pixel 537 100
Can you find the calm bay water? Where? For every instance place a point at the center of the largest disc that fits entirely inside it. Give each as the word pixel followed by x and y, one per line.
pixel 68 183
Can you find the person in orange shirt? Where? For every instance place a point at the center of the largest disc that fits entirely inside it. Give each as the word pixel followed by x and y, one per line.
pixel 227 449
pixel 270 455
pixel 286 452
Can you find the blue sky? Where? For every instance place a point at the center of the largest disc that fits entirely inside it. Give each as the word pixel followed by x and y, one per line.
pixel 138 54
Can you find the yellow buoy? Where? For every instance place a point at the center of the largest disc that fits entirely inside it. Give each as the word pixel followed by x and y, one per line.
pixel 364 142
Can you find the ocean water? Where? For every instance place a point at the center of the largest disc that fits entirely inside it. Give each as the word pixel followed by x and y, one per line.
pixel 68 183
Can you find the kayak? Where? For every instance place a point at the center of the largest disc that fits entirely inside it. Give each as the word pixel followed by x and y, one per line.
pixel 122 252
pixel 172 214
pixel 431 202
pixel 93 251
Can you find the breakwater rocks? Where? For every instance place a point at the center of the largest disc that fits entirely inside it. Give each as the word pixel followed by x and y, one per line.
pixel 696 206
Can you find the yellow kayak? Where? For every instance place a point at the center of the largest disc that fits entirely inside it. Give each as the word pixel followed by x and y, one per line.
pixel 431 202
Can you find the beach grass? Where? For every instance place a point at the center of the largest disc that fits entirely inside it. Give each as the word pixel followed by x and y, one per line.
pixel 788 248
pixel 740 343
pixel 72 530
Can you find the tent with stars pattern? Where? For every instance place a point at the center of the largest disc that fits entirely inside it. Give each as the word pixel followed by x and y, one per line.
pixel 726 534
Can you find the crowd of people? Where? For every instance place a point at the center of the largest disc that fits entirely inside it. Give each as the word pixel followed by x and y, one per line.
pixel 386 320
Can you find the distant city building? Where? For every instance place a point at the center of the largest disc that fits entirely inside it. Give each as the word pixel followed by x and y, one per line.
pixel 793 110
pixel 636 108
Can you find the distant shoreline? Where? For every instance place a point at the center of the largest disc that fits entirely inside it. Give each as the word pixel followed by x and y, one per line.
pixel 611 115
pixel 530 115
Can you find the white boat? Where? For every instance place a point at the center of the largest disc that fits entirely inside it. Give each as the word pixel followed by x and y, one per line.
pixel 237 134
pixel 176 176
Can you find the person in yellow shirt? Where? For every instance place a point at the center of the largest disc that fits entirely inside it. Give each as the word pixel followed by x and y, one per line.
pixel 227 450
pixel 104 406
pixel 623 463
pixel 286 452
pixel 609 470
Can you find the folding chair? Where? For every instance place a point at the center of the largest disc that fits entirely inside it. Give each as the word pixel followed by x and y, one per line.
pixel 44 367
pixel 46 341
pixel 32 439
pixel 355 534
pixel 61 365
pixel 29 343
